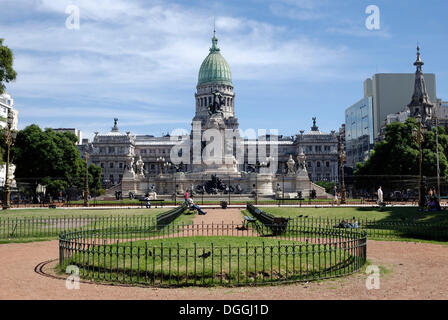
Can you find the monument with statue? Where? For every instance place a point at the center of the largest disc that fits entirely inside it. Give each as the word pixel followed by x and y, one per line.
pixel 214 159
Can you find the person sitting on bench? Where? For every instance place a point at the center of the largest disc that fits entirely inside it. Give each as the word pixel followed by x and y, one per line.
pixel 195 206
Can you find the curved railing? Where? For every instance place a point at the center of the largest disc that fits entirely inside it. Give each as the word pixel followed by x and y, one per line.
pixel 211 254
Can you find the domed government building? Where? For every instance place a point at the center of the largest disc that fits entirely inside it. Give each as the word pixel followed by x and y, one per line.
pixel 265 167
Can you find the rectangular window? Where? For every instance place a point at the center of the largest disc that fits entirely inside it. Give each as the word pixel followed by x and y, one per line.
pixel 111 165
pixel 120 165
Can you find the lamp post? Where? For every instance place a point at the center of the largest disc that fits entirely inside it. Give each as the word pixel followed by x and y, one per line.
pixel 160 160
pixel 437 151
pixel 419 138
pixel 86 182
pixel 10 137
pixel 342 160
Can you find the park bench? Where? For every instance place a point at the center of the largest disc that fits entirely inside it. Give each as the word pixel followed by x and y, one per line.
pixel 281 201
pixel 191 210
pixel 154 202
pixel 276 224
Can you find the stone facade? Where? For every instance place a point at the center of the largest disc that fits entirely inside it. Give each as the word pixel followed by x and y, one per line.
pixel 143 162
pixel 111 151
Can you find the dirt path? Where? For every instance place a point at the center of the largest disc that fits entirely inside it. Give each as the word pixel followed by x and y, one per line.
pixel 217 216
pixel 413 271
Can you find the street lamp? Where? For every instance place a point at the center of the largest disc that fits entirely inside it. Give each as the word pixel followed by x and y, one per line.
pixel 256 167
pixel 167 165
pixel 419 138
pixel 86 182
pixel 437 152
pixel 161 161
pixel 10 138
pixel 342 160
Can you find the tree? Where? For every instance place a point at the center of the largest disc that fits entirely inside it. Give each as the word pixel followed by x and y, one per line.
pixel 52 159
pixel 95 187
pixel 7 73
pixel 327 185
pixel 395 161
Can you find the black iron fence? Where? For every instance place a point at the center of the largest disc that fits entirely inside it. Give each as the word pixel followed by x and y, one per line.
pixel 224 254
pixel 378 229
pixel 49 227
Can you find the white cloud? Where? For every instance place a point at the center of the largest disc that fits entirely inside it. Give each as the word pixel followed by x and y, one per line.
pixel 135 54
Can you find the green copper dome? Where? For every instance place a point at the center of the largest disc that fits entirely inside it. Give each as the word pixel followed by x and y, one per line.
pixel 215 69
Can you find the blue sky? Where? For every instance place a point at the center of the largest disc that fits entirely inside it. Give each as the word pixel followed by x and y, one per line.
pixel 291 60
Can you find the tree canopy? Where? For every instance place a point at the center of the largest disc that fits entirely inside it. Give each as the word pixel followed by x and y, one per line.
pixel 7 73
pixel 52 159
pixel 394 162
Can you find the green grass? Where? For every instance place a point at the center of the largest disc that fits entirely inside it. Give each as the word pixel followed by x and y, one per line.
pixel 391 223
pixel 387 214
pixel 33 225
pixel 232 261
pixel 61 213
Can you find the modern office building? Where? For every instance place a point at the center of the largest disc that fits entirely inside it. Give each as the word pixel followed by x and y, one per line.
pixel 391 93
pixel 359 135
pixel 386 99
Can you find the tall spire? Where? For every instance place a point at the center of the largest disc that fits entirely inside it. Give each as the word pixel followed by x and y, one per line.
pixel 420 103
pixel 418 63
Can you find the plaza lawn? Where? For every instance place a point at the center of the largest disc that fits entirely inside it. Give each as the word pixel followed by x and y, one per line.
pixel 391 223
pixel 65 213
pixel 232 260
pixel 36 224
pixel 405 214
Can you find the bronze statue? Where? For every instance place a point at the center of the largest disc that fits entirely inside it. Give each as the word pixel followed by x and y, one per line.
pixel 215 106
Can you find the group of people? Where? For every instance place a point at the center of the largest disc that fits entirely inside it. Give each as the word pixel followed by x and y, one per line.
pixel 431 200
pixel 189 202
pixel 345 224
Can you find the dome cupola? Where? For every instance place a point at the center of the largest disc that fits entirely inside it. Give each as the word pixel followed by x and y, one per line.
pixel 214 69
